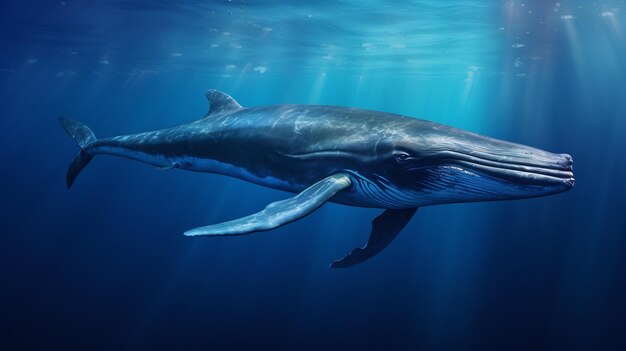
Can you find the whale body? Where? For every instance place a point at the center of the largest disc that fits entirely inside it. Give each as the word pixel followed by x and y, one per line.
pixel 350 156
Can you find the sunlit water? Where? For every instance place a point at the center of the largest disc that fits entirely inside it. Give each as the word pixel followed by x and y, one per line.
pixel 105 265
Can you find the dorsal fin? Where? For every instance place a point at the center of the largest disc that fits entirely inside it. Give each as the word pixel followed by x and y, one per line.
pixel 220 102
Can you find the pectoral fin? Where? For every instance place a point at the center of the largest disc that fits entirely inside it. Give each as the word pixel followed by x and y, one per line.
pixel 281 212
pixel 384 229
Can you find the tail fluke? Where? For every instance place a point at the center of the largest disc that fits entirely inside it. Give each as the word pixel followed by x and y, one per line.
pixel 83 136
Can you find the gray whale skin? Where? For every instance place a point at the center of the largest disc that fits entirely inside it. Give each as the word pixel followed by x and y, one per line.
pixel 350 156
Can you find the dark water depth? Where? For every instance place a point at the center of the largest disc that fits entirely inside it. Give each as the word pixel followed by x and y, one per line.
pixel 105 266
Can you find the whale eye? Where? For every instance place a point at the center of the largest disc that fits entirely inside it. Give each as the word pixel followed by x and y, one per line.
pixel 402 156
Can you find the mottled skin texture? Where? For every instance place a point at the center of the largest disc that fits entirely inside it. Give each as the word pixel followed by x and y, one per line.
pixel 347 155
pixel 396 161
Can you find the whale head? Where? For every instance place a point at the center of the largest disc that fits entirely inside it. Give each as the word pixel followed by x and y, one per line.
pixel 432 164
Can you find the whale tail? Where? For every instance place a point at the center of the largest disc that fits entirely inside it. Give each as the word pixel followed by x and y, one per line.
pixel 84 137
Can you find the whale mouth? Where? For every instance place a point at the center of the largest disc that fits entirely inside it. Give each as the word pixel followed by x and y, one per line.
pixel 549 170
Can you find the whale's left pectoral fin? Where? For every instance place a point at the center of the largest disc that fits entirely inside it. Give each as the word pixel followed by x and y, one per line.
pixel 384 229
pixel 281 212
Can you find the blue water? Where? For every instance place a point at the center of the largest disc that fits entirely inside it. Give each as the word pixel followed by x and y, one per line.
pixel 105 266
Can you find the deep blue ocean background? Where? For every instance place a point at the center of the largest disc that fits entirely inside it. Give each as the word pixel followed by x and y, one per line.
pixel 105 265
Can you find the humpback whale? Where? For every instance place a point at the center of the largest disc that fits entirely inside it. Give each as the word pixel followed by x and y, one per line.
pixel 345 155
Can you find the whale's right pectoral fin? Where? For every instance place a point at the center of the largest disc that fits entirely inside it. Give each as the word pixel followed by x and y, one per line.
pixel 384 229
pixel 281 212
